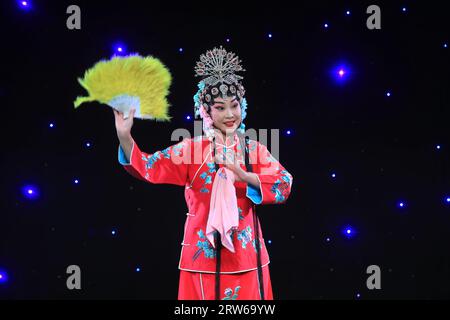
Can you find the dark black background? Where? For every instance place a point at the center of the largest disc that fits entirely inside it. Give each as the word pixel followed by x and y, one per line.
pixel 383 149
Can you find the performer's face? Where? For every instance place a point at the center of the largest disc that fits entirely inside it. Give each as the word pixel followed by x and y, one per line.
pixel 226 114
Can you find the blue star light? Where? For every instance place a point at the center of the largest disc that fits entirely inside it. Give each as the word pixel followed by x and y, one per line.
pixel 3 276
pixel 30 192
pixel 349 232
pixel 24 5
pixel 119 48
pixel 341 73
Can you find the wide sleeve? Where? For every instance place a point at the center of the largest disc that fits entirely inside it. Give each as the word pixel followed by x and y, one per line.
pixel 275 180
pixel 165 166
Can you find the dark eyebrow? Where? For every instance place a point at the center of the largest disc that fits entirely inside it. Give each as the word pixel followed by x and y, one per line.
pixel 223 102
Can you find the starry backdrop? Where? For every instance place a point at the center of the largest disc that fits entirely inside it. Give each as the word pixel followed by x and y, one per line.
pixel 364 127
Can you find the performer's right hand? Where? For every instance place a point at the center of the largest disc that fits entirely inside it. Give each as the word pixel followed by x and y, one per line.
pixel 123 126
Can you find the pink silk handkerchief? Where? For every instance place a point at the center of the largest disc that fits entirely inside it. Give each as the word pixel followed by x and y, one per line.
pixel 223 212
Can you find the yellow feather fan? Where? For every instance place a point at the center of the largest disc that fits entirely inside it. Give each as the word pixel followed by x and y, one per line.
pixel 131 81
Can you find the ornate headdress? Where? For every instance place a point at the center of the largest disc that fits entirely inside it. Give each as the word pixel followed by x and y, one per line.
pixel 218 69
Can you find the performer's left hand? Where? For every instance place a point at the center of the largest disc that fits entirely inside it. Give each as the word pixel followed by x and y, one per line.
pixel 232 163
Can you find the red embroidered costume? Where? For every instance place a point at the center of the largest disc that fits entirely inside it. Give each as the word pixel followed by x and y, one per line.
pixel 197 254
pixel 209 270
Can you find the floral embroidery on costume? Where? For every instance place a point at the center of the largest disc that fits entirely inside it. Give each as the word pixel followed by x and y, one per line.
pixel 152 159
pixel 204 246
pixel 177 148
pixel 286 176
pixel 166 153
pixel 211 167
pixel 208 180
pixel 207 177
pixel 276 189
pixel 245 236
pixel 281 190
pixel 228 293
